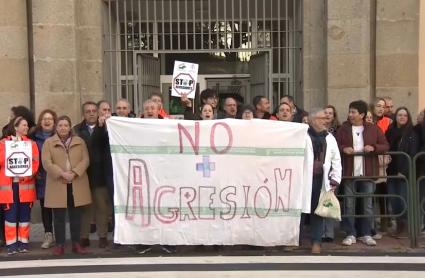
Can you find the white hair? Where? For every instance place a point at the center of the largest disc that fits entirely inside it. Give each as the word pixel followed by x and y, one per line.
pixel 313 113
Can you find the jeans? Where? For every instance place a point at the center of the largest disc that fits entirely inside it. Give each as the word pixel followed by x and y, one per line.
pixel 329 228
pixel 358 187
pixel 316 222
pixel 398 187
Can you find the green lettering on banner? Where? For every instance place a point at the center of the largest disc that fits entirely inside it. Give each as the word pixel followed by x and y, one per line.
pixel 126 149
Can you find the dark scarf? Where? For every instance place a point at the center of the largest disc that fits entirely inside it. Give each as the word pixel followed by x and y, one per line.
pixel 318 139
pixel 394 136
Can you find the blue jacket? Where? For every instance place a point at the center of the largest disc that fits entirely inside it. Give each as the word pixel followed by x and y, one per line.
pixel 40 182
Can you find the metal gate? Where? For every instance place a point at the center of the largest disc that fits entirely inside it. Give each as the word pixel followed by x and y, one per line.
pixel 148 78
pixel 259 71
pixel 225 29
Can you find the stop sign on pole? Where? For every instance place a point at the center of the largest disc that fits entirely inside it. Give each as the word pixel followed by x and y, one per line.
pixel 185 76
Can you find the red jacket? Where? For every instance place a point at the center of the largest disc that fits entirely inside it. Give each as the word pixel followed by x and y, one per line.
pixel 373 136
pixel 27 192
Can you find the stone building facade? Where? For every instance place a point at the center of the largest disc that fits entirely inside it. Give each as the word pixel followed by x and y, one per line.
pixel 351 49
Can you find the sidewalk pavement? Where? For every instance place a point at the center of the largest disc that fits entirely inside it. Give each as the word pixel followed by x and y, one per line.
pixel 386 246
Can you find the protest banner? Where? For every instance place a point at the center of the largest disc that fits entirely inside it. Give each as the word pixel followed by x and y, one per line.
pixel 18 158
pixel 209 182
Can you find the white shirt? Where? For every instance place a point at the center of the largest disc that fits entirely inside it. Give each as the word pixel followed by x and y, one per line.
pixel 358 146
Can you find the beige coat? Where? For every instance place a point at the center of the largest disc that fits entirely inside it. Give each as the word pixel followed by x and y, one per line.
pixel 54 159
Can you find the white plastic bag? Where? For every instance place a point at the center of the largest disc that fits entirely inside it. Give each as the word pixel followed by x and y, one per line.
pixel 328 206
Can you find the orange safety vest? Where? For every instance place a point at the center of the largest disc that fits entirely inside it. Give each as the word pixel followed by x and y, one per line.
pixel 383 123
pixel 27 192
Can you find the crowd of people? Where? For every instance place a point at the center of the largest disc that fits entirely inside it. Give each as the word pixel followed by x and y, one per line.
pixel 72 166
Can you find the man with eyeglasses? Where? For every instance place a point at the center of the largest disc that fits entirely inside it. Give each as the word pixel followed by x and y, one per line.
pixel 326 171
pixel 93 132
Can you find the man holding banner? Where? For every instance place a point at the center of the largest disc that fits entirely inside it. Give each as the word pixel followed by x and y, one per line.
pixel 210 182
pixel 326 170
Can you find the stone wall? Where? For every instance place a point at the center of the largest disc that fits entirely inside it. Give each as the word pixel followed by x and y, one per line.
pixel 397 44
pixel 67 54
pixel 14 84
pixel 337 67
pixel 314 53
pixel 348 52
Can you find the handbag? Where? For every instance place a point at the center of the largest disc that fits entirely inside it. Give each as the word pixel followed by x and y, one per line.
pixel 328 206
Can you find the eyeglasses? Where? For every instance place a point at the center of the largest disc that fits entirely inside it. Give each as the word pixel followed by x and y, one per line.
pixel 47 119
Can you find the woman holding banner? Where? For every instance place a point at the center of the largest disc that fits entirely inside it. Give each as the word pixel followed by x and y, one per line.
pixel 65 159
pixel 18 165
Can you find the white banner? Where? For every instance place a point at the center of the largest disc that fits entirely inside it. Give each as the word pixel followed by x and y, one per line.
pixel 223 182
pixel 18 158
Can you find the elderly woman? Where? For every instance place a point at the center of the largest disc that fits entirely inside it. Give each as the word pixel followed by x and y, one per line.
pixel 65 159
pixel 17 190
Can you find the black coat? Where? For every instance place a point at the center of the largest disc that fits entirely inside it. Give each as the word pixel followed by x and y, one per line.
pixel 98 147
pixel 408 142
pixel 420 165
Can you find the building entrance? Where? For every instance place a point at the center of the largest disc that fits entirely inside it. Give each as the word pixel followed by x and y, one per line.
pixel 240 80
pixel 243 47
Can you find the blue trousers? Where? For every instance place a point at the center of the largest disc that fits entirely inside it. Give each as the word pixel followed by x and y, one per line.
pixel 398 187
pixel 16 221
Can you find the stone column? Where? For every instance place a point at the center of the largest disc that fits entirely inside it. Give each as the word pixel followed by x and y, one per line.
pixel 397 52
pixel 89 49
pixel 67 54
pixel 348 52
pixel 55 56
pixel 14 77
pixel 314 53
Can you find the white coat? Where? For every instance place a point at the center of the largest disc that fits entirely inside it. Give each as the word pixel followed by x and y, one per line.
pixel 332 169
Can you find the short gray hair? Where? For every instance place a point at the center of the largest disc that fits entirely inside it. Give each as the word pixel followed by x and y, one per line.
pixel 125 101
pixel 149 101
pixel 313 113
